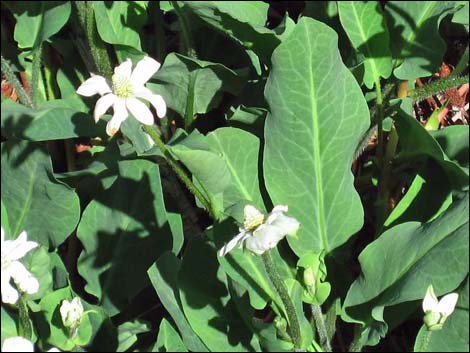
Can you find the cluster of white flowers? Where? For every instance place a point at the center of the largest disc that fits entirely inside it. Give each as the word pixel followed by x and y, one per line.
pixel 12 268
pixel 72 314
pixel 260 232
pixel 124 94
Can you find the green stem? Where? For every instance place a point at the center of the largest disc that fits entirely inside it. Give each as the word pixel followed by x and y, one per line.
pixel 24 328
pixel 186 39
pixel 98 51
pixel 437 86
pixel 294 326
pixel 36 74
pixel 321 328
pixel 7 70
pixel 424 341
pixel 356 345
pixel 380 117
pixel 461 65
pixel 179 170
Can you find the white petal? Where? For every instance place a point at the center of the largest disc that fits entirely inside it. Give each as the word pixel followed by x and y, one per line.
pixel 265 237
pixel 64 309
pixel 144 70
pixel 53 350
pixel 94 85
pixel 447 304
pixel 16 249
pixel 23 278
pixel 17 344
pixel 103 104
pixel 287 225
pixel 9 294
pixel 120 114
pixel 280 208
pixel 234 242
pixel 430 300
pixel 140 111
pixel 155 99
pixel 124 69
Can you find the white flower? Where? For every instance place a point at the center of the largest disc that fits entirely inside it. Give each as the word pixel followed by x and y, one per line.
pixel 72 314
pixel 437 312
pixel 20 344
pixel 12 251
pixel 125 94
pixel 259 232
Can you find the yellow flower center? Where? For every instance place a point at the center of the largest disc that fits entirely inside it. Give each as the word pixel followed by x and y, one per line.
pixel 253 218
pixel 122 87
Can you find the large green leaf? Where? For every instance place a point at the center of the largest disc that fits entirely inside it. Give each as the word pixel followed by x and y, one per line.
pixel 36 202
pixel 119 22
pixel 242 21
pixel 53 120
pixel 38 20
pixel 365 26
pixel 164 277
pixel 192 86
pixel 454 141
pixel 317 116
pixel 401 264
pixel 125 224
pixel 206 301
pixel 414 33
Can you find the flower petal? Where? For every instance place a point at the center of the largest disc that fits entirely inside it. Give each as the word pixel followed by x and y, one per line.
pixel 124 69
pixel 23 278
pixel 9 294
pixel 447 304
pixel 155 99
pixel 120 114
pixel 287 225
pixel 265 237
pixel 103 104
pixel 17 344
pixel 144 70
pixel 140 111
pixel 94 85
pixel 234 242
pixel 430 300
pixel 16 249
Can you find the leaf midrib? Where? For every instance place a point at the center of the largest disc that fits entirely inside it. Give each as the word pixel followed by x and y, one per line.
pixel 317 157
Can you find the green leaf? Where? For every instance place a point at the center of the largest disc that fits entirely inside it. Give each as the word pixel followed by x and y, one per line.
pixel 9 328
pixel 401 264
pixel 317 116
pixel 163 275
pixel 38 21
pixel 454 141
pixel 414 33
pixel 243 21
pixel 417 144
pixel 125 224
pixel 461 16
pixel 120 22
pixel 191 86
pixel 127 334
pixel 54 120
pixel 168 339
pixel 36 202
pixel 364 24
pixel 206 301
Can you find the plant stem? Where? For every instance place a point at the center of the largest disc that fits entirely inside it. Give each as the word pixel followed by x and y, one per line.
pixel 437 86
pixel 380 117
pixel 24 328
pixel 186 40
pixel 321 328
pixel 293 321
pixel 356 344
pixel 7 70
pixel 179 170
pixel 424 341
pixel 36 74
pixel 463 62
pixel 98 51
